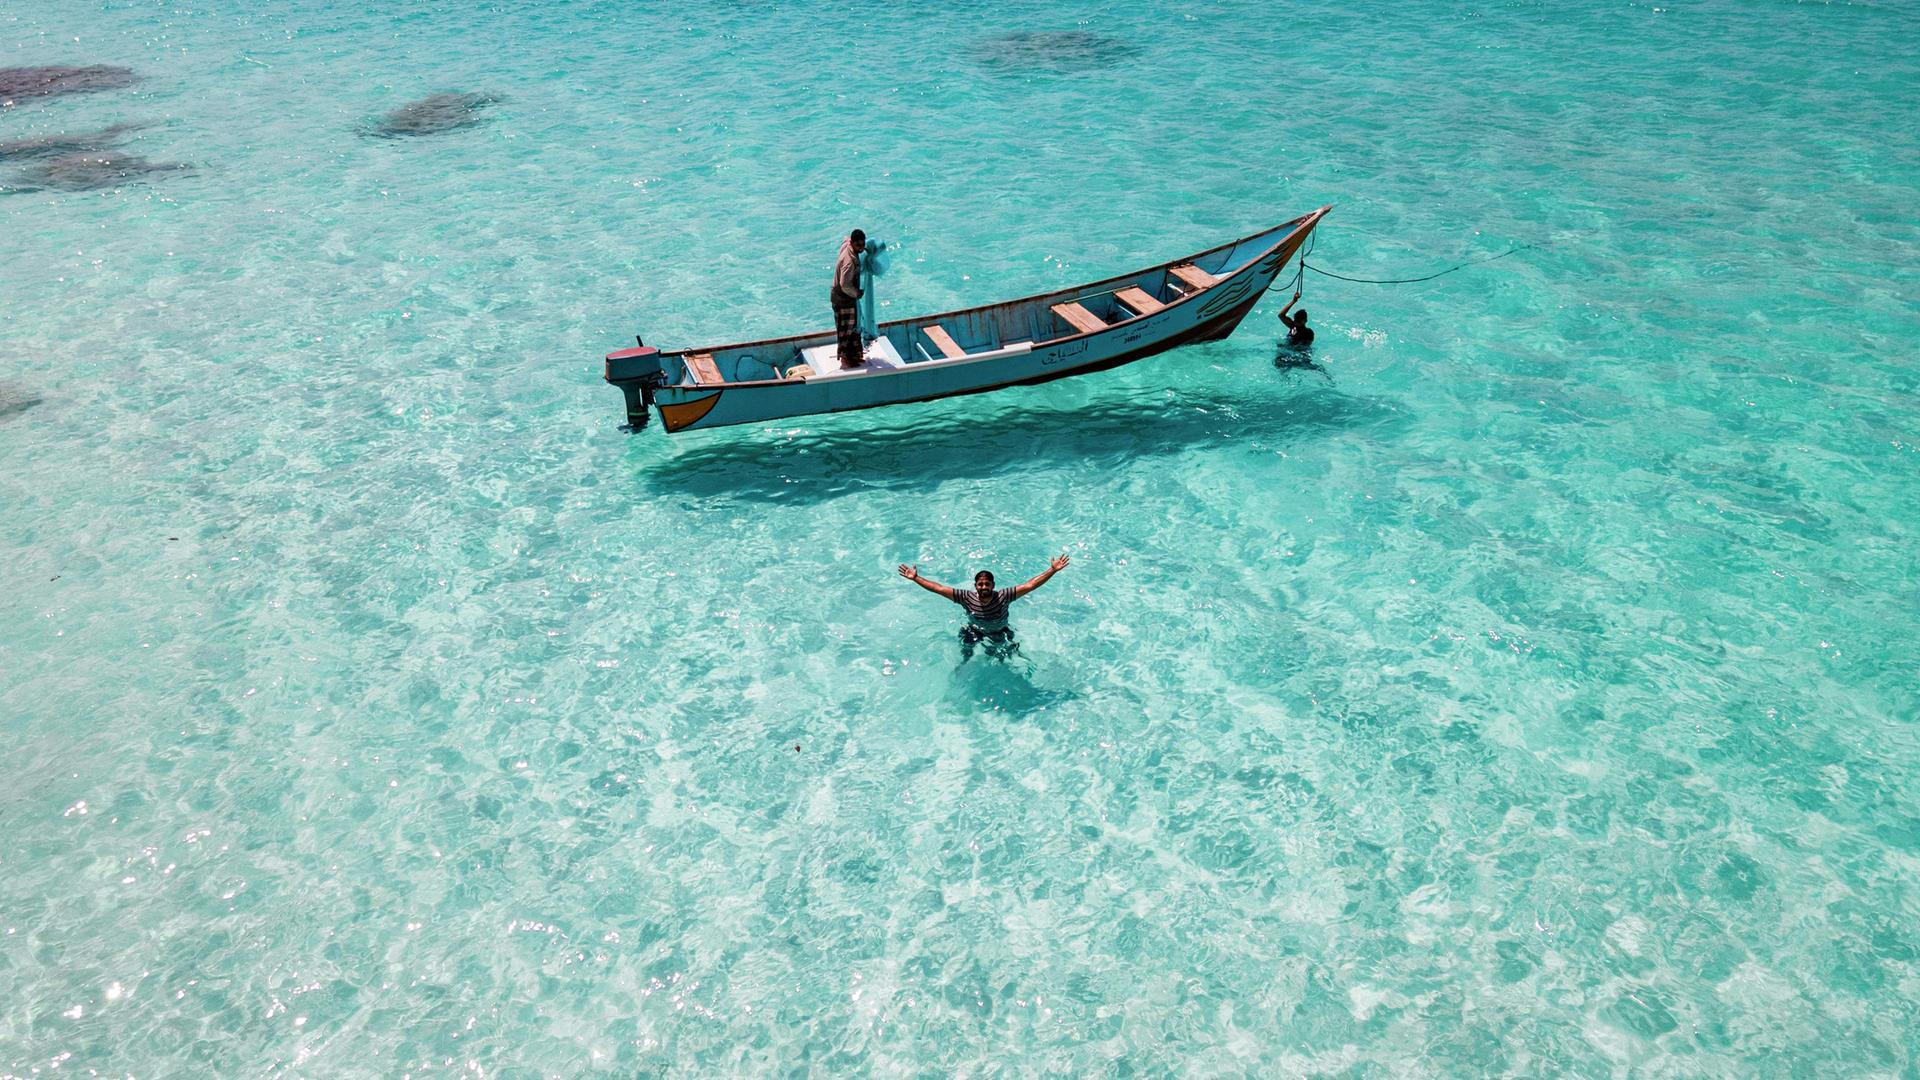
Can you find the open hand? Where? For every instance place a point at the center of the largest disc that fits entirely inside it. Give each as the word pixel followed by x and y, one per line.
pixel 911 573
pixel 1060 561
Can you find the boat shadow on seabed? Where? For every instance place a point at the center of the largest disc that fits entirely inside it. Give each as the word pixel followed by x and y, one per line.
pixel 848 458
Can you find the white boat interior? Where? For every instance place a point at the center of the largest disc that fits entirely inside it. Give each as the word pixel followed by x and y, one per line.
pixel 823 361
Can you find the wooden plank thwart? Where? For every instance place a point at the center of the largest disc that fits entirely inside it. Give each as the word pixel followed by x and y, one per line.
pixel 701 367
pixel 1138 300
pixel 1081 319
pixel 944 342
pixel 1193 276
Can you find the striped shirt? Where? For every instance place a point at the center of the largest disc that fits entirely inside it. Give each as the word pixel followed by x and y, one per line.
pixel 846 275
pixel 987 614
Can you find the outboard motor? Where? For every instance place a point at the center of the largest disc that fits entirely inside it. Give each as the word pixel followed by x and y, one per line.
pixel 637 373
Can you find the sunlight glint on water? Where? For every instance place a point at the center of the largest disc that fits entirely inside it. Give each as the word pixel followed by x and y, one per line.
pixel 1531 692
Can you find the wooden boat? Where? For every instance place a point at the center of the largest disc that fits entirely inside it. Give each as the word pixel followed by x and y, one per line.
pixel 1019 342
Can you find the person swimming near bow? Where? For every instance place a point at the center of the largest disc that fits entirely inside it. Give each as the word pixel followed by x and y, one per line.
pixel 1299 334
pixel 986 608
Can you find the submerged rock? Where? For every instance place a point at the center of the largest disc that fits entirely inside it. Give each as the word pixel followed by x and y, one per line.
pixel 17 84
pixel 15 399
pixel 53 145
pixel 434 113
pixel 87 171
pixel 1050 50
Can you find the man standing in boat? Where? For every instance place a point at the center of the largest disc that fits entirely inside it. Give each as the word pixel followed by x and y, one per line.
pixel 846 300
pixel 986 608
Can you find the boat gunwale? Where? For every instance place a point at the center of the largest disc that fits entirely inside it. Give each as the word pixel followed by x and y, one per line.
pixel 1306 220
pixel 1230 317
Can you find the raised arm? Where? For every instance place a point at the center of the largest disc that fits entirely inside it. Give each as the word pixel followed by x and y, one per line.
pixel 1289 307
pixel 1059 564
pixel 912 573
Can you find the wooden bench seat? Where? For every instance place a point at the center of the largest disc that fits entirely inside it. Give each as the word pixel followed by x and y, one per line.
pixel 1080 318
pixel 1192 276
pixel 701 367
pixel 944 342
pixel 1138 300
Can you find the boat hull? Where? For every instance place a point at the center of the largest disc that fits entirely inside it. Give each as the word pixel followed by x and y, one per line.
pixel 1205 315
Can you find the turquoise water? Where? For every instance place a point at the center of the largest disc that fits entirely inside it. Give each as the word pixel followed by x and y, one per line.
pixel 1531 692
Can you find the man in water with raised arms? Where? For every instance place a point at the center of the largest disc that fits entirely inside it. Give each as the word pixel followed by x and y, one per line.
pixel 846 298
pixel 986 608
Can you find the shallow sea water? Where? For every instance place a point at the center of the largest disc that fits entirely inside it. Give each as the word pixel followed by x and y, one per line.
pixel 1530 692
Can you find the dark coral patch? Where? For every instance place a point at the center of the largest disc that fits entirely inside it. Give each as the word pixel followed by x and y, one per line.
pixel 88 171
pixel 46 146
pixel 433 114
pixel 18 84
pixel 1050 50
pixel 16 399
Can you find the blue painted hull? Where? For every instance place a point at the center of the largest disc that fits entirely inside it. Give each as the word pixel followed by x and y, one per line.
pixel 1247 268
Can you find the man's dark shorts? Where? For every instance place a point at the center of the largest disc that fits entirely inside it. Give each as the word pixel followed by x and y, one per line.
pixel 1000 643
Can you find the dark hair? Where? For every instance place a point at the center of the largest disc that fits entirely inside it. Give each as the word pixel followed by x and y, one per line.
pixel 859 238
pixel 1302 316
pixel 978 574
